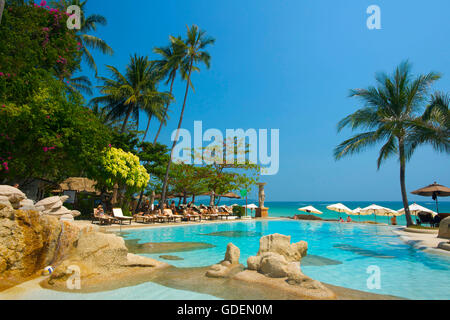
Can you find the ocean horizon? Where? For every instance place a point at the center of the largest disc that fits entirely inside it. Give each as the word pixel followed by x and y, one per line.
pixel 289 208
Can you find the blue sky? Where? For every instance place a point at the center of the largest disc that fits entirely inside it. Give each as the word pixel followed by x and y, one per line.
pixel 289 65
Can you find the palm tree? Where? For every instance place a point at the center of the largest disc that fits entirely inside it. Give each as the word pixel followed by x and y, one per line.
pixel 126 95
pixel 392 116
pixel 172 60
pixel 88 24
pixel 79 85
pixel 156 110
pixel 194 48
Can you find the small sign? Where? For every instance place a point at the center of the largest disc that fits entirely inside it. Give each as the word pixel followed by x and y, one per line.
pixel 71 194
pixel 243 193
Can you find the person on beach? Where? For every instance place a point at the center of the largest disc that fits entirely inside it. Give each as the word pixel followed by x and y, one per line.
pixel 349 219
pixel 341 220
pixel 172 206
pixel 394 220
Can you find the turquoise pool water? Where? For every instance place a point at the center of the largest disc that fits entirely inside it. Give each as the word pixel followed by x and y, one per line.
pixel 349 248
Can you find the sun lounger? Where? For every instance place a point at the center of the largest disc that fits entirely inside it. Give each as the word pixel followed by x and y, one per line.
pixel 223 216
pixel 118 215
pixel 102 219
pixel 145 218
pixel 162 218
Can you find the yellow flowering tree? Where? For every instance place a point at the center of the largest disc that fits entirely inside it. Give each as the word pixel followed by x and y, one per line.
pixel 122 171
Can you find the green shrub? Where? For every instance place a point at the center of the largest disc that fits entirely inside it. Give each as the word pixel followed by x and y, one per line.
pixel 239 211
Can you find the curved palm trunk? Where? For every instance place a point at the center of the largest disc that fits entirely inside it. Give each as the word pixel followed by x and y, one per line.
pixel 165 112
pixel 148 126
pixel 125 122
pixel 2 7
pixel 166 178
pixel 402 183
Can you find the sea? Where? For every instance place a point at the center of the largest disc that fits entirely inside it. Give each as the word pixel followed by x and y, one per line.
pixel 290 208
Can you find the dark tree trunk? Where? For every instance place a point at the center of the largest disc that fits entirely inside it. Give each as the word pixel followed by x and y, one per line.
pixel 125 122
pixel 165 113
pixel 402 182
pixel 166 178
pixel 148 126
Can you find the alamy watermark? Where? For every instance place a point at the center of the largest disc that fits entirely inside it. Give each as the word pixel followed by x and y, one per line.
pixel 374 20
pixel 235 147
pixel 74 20
pixel 374 280
pixel 74 281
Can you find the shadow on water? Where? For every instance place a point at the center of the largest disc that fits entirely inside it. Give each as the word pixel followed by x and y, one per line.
pixel 233 234
pixel 134 246
pixel 362 252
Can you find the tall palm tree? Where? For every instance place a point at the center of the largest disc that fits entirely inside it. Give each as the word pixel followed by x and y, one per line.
pixel 88 24
pixel 194 47
pixel 172 61
pixel 392 116
pixel 126 95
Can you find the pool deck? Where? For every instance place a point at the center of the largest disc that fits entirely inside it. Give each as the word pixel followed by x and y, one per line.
pixel 428 242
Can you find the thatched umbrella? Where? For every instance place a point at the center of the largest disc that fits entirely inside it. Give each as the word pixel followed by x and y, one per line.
pixel 79 185
pixel 434 191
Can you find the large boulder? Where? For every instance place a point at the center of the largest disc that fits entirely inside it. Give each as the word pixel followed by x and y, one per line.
pixel 444 228
pixel 281 244
pixel 14 195
pixel 61 211
pixel 4 202
pixel 50 203
pixel 27 202
pixel 233 253
pixel 273 265
pixel 30 242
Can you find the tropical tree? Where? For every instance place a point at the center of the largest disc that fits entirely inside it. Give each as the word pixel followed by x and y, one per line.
pixel 88 24
pixel 80 85
pixel 392 116
pixel 126 95
pixel 172 61
pixel 194 46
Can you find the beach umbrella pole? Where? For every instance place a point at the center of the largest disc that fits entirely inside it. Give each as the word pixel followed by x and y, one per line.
pixel 437 205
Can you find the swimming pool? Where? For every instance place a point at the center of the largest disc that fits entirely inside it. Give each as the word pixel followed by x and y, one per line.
pixel 338 254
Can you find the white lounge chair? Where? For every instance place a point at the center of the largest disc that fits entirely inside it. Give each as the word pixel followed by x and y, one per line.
pixel 118 214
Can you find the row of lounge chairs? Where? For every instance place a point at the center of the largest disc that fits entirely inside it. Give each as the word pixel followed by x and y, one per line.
pixel 181 214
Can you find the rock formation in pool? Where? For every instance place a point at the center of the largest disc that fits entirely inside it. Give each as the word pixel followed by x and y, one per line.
pixel 277 266
pixel 229 266
pixel 30 241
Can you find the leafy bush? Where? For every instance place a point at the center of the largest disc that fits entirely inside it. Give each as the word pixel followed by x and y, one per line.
pixel 239 211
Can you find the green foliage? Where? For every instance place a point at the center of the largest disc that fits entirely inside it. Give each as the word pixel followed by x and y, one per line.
pixel 35 43
pixel 88 25
pixel 239 211
pixel 125 95
pixel 51 136
pixel 394 116
pixel 188 179
pixel 122 168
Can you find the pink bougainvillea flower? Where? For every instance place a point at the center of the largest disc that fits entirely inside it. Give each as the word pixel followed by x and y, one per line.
pixel 1 74
pixel 48 117
pixel 45 149
pixel 43 3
